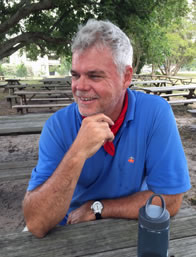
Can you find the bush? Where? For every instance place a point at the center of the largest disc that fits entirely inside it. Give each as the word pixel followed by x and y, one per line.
pixel 65 66
pixel 9 70
pixel 1 70
pixel 21 70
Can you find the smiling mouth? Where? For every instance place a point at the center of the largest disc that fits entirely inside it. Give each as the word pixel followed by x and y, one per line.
pixel 86 99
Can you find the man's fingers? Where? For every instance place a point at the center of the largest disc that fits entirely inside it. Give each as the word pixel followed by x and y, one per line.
pixel 101 118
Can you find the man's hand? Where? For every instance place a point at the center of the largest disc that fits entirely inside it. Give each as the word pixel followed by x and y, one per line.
pixel 82 214
pixel 94 132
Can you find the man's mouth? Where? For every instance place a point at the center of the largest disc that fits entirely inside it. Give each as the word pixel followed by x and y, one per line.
pixel 86 99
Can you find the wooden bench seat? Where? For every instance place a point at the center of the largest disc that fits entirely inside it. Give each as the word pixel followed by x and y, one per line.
pixel 185 101
pixel 16 170
pixel 11 98
pixel 193 112
pixel 51 99
pixel 21 107
pixel 175 94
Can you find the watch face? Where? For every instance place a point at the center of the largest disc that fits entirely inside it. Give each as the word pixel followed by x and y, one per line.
pixel 97 207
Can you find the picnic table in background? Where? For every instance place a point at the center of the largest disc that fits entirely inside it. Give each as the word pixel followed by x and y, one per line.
pixel 156 83
pixel 106 237
pixel 176 80
pixel 22 124
pixel 13 81
pixel 188 93
pixel 35 99
pixel 65 80
pixel 192 112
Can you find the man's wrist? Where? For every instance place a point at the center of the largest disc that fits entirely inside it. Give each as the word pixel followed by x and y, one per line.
pixel 97 208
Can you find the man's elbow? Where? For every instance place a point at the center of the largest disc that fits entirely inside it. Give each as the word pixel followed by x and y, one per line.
pixel 36 229
pixel 175 204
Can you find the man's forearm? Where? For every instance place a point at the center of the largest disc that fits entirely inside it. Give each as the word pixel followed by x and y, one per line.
pixel 128 207
pixel 47 205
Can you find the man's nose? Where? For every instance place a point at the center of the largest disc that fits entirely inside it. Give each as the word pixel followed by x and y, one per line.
pixel 82 83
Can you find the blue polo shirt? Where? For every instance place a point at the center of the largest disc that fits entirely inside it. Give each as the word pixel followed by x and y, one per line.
pixel 149 153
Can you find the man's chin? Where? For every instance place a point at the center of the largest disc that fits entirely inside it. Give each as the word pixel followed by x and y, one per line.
pixel 86 113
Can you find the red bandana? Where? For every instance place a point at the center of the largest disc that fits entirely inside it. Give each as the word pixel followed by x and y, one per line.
pixel 109 146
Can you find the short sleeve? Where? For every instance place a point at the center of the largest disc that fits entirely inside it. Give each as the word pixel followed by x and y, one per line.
pixel 166 165
pixel 51 151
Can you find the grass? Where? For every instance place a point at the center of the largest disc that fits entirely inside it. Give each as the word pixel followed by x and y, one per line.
pixel 188 75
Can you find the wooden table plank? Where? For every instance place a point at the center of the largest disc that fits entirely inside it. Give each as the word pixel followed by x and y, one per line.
pixel 22 124
pixel 157 83
pixel 177 248
pixel 17 164
pixel 111 237
pixel 165 89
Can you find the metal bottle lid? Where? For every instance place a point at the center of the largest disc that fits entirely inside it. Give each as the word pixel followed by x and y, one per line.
pixel 154 217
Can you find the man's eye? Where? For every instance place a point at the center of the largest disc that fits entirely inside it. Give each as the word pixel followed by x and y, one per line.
pixel 75 76
pixel 95 76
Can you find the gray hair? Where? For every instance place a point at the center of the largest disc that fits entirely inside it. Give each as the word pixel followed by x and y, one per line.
pixel 105 34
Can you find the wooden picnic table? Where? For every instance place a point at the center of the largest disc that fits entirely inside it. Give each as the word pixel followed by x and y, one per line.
pixel 22 124
pixel 13 81
pixel 174 80
pixel 107 237
pixel 27 97
pixel 31 94
pixel 159 90
pixel 188 93
pixel 65 80
pixel 156 83
pixel 55 86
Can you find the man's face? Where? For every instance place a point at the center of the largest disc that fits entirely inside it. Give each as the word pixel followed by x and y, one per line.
pixel 96 84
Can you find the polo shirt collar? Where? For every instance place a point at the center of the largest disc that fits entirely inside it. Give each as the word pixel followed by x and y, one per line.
pixel 131 106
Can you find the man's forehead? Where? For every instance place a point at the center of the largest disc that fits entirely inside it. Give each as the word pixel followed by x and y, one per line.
pixel 90 71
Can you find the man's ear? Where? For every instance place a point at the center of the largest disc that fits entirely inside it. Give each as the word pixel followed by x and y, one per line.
pixel 128 76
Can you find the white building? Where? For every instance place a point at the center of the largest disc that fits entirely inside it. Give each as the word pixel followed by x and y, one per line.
pixel 41 67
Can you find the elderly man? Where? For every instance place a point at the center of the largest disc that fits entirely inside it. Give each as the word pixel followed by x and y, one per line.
pixel 104 155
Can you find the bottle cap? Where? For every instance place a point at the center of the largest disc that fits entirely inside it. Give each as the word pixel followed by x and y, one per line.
pixel 154 216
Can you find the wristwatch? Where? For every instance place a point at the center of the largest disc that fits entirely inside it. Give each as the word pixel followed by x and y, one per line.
pixel 97 208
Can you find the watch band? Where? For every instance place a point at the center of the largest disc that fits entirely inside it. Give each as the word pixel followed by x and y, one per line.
pixel 98 216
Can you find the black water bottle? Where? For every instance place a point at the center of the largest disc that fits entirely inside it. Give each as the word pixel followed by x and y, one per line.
pixel 153 229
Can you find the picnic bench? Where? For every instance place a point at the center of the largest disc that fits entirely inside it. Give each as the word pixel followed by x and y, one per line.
pixel 13 98
pixel 30 99
pixel 183 101
pixel 23 124
pixel 21 107
pixel 174 80
pixel 65 80
pixel 156 83
pixel 13 81
pixel 106 237
pixel 182 80
pixel 193 112
pixel 11 171
pixel 167 92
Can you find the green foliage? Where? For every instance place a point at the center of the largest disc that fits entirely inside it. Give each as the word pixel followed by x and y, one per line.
pixel 50 29
pixel 60 20
pixel 21 70
pixel 9 70
pixel 65 66
pixel 1 70
pixel 190 66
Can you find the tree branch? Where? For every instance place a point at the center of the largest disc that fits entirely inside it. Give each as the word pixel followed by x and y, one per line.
pixel 20 41
pixel 24 12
